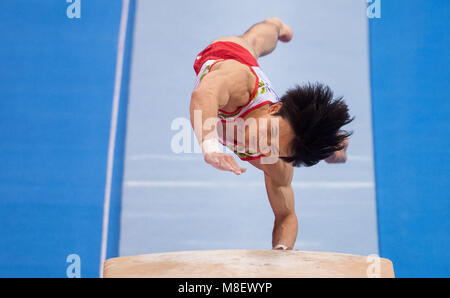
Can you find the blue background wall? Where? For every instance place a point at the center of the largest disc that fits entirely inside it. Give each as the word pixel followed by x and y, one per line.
pixel 409 49
pixel 57 80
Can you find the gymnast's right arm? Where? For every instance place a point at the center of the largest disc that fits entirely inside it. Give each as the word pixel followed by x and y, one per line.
pixel 212 93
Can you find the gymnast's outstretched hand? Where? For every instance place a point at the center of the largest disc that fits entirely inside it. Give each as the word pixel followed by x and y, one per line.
pixel 223 161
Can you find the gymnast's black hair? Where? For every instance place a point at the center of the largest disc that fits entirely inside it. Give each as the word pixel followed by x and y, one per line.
pixel 316 118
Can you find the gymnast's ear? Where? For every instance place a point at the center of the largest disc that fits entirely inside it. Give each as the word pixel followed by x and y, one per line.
pixel 273 108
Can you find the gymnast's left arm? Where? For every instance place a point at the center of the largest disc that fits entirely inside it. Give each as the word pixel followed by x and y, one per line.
pixel 278 179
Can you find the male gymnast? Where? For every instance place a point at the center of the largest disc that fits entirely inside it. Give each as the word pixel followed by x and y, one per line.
pixel 301 128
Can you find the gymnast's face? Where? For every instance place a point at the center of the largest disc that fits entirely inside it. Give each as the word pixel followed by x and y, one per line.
pixel 261 132
pixel 269 134
pixel 279 133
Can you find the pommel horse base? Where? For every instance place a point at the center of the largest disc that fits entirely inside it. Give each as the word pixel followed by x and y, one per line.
pixel 247 264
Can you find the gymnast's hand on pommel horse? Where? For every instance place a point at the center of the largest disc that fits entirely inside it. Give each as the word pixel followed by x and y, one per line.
pixel 234 103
